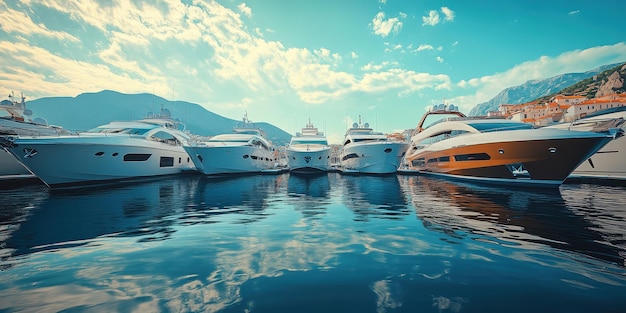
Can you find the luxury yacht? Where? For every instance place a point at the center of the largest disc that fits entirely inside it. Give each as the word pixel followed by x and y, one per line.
pixel 500 150
pixel 369 152
pixel 308 151
pixel 245 150
pixel 115 151
pixel 609 162
pixel 15 119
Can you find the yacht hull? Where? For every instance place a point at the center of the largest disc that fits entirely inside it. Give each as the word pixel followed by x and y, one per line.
pixel 372 157
pixel 526 162
pixel 303 160
pixel 608 163
pixel 73 160
pixel 212 160
pixel 9 166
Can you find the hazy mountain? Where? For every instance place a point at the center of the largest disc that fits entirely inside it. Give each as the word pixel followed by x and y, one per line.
pixel 534 89
pixel 89 110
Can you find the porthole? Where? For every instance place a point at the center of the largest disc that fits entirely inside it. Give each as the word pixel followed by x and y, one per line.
pixel 114 154
pixel 99 153
pixel 388 150
pixel 246 156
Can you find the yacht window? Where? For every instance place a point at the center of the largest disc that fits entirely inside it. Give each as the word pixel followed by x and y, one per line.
pixel 349 156
pixel 164 138
pixel 444 159
pixel 472 157
pixel 166 162
pixel 418 162
pixel 498 126
pixel 309 142
pixel 134 157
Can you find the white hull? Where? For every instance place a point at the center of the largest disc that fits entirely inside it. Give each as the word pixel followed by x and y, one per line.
pixel 71 160
pixel 372 157
pixel 610 161
pixel 231 159
pixel 303 159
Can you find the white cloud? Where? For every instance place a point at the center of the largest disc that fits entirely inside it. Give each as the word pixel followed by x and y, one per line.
pixel 574 12
pixel 431 19
pixel 246 10
pixel 12 21
pixel 449 14
pixel 439 59
pixel 383 27
pixel 545 67
pixel 423 47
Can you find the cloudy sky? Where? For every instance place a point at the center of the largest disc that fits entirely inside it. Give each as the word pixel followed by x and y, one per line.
pixel 285 61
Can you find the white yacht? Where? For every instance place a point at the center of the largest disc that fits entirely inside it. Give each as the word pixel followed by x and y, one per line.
pixel 115 151
pixel 245 150
pixel 15 119
pixel 366 151
pixel 308 151
pixel 609 162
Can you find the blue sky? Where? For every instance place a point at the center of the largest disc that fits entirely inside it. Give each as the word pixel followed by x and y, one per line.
pixel 284 62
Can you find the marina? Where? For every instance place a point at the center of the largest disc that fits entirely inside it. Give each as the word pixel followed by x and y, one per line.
pixel 312 243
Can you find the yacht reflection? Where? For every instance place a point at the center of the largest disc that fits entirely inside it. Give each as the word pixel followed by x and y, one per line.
pixel 530 219
pixel 311 185
pixel 241 194
pixel 375 196
pixel 310 193
pixel 74 217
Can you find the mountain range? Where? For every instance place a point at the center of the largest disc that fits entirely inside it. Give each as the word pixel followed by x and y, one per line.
pixel 89 110
pixel 536 89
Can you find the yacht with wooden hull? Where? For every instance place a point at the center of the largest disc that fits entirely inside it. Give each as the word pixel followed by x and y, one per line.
pixel 245 150
pixel 499 150
pixel 111 152
pixel 609 163
pixel 308 151
pixel 369 152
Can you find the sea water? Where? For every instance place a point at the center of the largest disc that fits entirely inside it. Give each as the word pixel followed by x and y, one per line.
pixel 322 243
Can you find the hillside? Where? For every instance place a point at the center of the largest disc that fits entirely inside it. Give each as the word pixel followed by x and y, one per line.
pixel 541 89
pixel 89 110
pixel 608 82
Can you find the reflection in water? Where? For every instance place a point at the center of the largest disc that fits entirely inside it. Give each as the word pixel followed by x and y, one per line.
pixel 530 219
pixel 375 196
pixel 327 243
pixel 243 195
pixel 310 193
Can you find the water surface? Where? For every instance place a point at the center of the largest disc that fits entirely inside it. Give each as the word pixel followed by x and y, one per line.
pixel 326 243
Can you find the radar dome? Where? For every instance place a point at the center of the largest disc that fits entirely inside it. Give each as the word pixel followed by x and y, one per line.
pixel 40 121
pixel 28 112
pixel 367 125
pixel 355 125
pixel 166 113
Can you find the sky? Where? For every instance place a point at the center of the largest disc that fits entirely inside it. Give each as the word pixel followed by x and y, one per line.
pixel 287 61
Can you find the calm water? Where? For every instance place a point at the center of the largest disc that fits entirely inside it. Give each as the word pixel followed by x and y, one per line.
pixel 330 243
